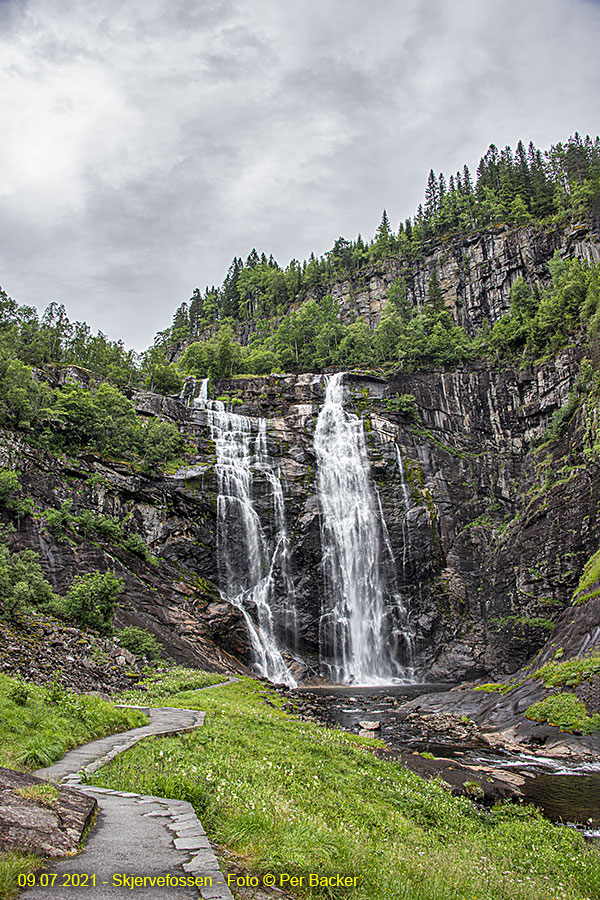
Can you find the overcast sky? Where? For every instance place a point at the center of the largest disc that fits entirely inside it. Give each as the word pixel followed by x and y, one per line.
pixel 143 143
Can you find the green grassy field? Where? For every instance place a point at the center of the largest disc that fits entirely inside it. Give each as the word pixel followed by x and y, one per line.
pixel 39 725
pixel 294 797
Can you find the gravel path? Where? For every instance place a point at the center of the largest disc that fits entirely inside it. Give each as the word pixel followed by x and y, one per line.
pixel 152 838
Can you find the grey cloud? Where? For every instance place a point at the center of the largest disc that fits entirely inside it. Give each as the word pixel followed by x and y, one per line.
pixel 147 143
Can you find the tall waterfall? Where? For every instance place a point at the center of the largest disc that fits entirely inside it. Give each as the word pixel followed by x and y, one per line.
pixel 363 628
pixel 254 563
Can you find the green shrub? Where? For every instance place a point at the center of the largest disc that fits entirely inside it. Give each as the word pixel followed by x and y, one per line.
pixel 91 600
pixel 135 544
pixel 559 420
pixel 161 444
pixel 9 486
pixel 571 672
pixel 565 711
pixel 404 405
pixel 589 582
pixel 10 489
pixel 19 692
pixel 139 641
pixel 108 528
pixel 22 582
pixel 60 521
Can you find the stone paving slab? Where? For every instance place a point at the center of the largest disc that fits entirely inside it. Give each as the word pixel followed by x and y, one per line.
pixel 135 834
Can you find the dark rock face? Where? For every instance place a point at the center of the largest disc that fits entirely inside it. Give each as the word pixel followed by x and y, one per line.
pixel 489 535
pixel 174 516
pixel 488 550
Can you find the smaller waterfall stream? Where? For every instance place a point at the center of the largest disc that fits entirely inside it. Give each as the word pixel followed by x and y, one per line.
pixel 364 628
pixel 254 564
pixel 406 502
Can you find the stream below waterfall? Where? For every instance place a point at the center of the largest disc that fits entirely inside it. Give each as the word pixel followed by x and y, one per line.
pixel 566 792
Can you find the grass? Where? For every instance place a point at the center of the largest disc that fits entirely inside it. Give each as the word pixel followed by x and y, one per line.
pixel 39 725
pixel 169 685
pixel 11 866
pixel 565 711
pixel 526 622
pixel 291 796
pixel 589 583
pixel 45 794
pixel 494 688
pixel 571 672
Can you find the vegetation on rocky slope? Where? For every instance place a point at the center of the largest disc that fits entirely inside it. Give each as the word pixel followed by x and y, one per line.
pixel 511 188
pixel 570 672
pixel 589 583
pixel 90 600
pixel 565 711
pixel 313 336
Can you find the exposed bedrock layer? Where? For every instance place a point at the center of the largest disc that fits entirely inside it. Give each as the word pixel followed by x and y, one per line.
pixel 489 533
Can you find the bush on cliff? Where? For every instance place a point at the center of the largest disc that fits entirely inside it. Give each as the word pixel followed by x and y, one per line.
pixel 139 641
pixel 22 583
pixel 91 600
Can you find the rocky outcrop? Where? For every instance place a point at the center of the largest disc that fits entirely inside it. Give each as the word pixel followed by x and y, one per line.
pixel 40 818
pixel 43 649
pixel 502 714
pixel 171 593
pixel 475 272
pixel 488 551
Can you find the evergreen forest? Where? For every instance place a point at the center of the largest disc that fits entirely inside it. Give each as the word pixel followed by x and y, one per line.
pixel 265 318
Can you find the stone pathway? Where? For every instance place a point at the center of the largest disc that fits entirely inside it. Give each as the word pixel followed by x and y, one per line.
pixel 152 838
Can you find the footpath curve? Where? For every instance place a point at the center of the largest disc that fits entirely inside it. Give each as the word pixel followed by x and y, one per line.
pixel 135 834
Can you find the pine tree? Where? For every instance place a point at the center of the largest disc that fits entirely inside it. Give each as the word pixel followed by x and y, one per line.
pixel 467 183
pixel 442 187
pixel 383 237
pixel 431 196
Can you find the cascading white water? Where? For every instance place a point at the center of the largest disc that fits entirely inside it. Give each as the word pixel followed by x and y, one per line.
pixel 363 618
pixel 252 563
pixel 407 504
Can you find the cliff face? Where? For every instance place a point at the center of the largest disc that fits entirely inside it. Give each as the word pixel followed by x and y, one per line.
pixel 475 273
pixel 489 534
pixel 490 548
pixel 168 595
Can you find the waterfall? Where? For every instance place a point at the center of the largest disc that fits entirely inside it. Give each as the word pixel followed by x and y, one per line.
pixel 363 627
pixel 406 502
pixel 253 562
